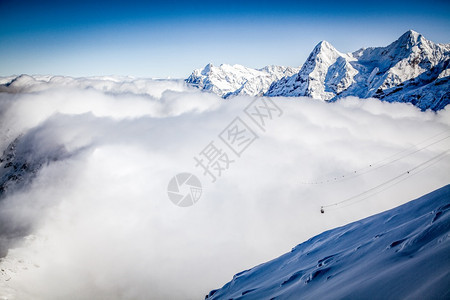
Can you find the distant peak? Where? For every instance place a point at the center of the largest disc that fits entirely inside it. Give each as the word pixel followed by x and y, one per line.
pixel 412 33
pixel 323 49
pixel 410 37
pixel 207 69
pixel 208 66
pixel 324 45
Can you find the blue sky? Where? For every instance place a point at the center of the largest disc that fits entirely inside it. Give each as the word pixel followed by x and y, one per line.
pixel 170 38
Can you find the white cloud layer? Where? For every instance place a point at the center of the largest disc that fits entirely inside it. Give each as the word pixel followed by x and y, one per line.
pixel 99 224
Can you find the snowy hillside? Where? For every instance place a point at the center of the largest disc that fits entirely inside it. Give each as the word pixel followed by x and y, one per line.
pixel 226 80
pixel 403 253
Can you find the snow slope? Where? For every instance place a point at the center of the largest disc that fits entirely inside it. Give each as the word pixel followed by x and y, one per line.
pixel 226 80
pixel 403 253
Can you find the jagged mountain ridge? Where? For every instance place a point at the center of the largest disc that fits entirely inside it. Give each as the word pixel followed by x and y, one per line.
pixel 411 69
pixel 403 253
pixel 325 73
pixel 231 80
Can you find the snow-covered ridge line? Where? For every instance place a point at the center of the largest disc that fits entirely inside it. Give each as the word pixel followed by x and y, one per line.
pixel 398 254
pixel 411 69
pixel 231 80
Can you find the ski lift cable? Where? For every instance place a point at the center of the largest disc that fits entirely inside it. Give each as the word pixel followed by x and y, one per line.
pixel 388 181
pixel 336 207
pixel 399 158
pixel 391 185
pixel 377 165
pixel 413 146
pixel 406 175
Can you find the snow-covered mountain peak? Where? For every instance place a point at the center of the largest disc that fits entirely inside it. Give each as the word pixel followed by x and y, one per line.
pixel 228 80
pixel 410 69
pixel 207 69
pixel 410 37
pixel 410 41
pixel 324 51
pixel 324 47
pixel 324 64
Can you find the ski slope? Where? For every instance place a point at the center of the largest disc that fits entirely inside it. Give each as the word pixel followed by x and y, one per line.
pixel 403 253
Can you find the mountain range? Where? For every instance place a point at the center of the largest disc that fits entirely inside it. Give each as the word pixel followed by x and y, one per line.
pixel 226 80
pixel 411 69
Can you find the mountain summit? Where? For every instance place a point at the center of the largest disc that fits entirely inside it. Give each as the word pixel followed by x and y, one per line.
pixel 325 73
pixel 411 69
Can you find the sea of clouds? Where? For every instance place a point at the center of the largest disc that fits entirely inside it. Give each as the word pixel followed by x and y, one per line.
pixel 94 221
